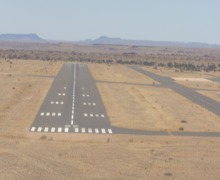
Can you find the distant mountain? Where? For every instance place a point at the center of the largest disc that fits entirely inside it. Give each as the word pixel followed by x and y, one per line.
pixel 119 41
pixel 20 37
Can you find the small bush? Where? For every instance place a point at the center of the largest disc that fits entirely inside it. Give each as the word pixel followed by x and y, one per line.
pixel 181 129
pixel 43 137
pixel 184 121
pixel 168 174
pixel 131 140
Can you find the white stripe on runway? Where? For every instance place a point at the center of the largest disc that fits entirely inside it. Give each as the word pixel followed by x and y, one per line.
pixel 96 131
pixel 66 130
pixel 33 129
pixel 39 129
pixel 90 130
pixel 83 130
pixel 46 129
pixel 76 130
pixel 53 129
pixel 109 131
pixel 59 129
pixel 103 131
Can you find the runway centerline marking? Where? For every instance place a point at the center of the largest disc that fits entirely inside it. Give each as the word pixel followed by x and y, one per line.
pixel 53 117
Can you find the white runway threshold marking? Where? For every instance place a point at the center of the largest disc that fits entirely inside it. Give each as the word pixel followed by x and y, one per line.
pixel 103 131
pixel 59 129
pixel 50 114
pixel 33 129
pixel 83 130
pixel 90 130
pixel 109 131
pixel 66 130
pixel 75 130
pixel 53 129
pixel 39 129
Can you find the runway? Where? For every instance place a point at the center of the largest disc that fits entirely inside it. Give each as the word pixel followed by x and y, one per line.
pixel 73 104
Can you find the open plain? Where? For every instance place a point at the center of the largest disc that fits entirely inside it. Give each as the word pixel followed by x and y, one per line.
pixel 132 100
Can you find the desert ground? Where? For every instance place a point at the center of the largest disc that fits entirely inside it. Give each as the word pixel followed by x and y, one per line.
pixel 132 100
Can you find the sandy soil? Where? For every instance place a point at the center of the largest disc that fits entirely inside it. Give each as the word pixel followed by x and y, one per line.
pixel 109 157
pixel 150 107
pixel 25 155
pixel 118 73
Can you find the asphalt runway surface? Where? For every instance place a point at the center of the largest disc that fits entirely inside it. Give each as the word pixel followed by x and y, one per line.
pixel 73 104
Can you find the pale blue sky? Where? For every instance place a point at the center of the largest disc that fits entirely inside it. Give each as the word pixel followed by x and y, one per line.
pixel 73 20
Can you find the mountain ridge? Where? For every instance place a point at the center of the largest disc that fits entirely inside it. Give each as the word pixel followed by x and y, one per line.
pixel 21 37
pixel 104 40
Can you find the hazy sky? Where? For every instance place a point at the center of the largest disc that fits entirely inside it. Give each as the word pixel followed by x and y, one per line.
pixel 73 20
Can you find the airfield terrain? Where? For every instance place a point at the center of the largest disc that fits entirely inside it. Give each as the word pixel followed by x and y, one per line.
pixel 132 101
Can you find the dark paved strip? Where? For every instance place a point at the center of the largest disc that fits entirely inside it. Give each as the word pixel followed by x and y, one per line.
pixel 211 90
pixel 190 94
pixel 73 104
pixel 118 130
pixel 214 79
pixel 199 134
pixel 126 83
pixel 87 92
